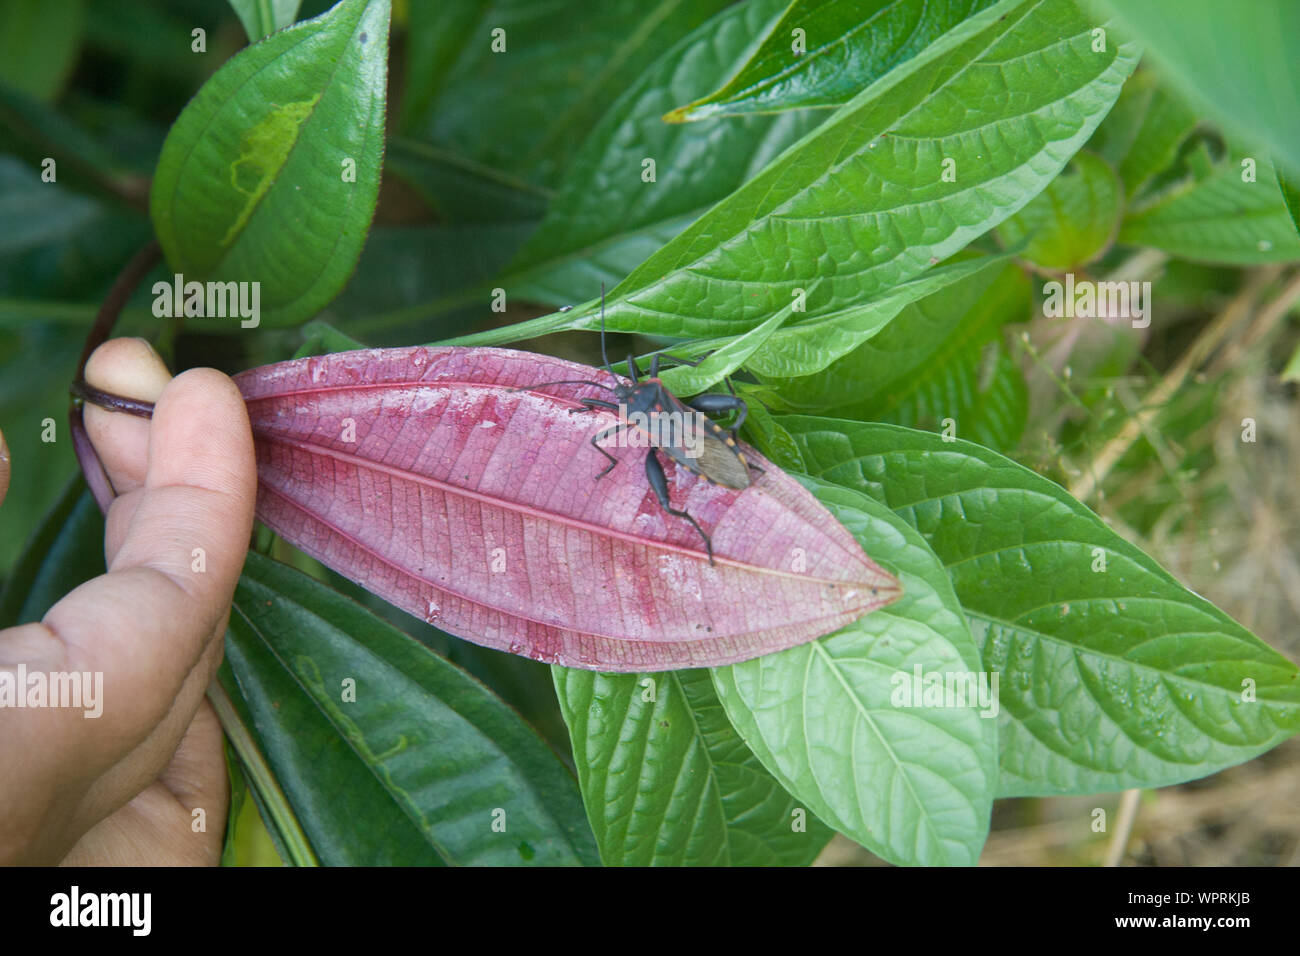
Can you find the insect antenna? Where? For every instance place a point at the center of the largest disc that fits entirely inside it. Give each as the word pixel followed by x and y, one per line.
pixel 604 356
pixel 562 381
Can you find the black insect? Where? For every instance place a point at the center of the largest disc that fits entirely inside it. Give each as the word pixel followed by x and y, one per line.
pixel 682 431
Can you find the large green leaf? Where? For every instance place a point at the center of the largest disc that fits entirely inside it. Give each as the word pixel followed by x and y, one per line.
pixel 836 722
pixel 524 108
pixel 668 782
pixel 426 765
pixel 815 343
pixel 1113 674
pixel 270 174
pixel 938 359
pixel 459 190
pixel 605 220
pixel 402 266
pixel 1242 62
pixel 1222 212
pixel 863 201
pixel 844 47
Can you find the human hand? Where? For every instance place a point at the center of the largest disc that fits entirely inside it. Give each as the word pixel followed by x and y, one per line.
pixel 123 788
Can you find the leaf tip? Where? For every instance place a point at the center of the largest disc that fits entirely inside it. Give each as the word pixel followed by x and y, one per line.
pixel 681 114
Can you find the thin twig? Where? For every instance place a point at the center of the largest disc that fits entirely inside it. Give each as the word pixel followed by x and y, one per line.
pixel 1127 812
pixel 1268 318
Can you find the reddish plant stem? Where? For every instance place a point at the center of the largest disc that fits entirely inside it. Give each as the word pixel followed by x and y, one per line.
pixel 91 467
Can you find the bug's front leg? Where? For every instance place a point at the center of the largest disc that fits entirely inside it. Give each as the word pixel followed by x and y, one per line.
pixel 654 472
pixel 612 430
pixel 589 403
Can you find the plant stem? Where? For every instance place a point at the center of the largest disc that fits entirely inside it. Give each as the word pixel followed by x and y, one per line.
pixel 262 778
pixel 131 275
pixel 1128 808
pixel 520 331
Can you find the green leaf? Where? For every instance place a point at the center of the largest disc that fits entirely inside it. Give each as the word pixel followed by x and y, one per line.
pixel 668 782
pixel 460 190
pixel 1242 64
pixel 1074 220
pixel 691 380
pixel 834 720
pixel 1225 212
pixel 868 199
pixel 57 244
pixel 321 338
pixel 420 766
pixel 238 800
pixel 253 181
pixel 515 85
pixel 37 361
pixel 1291 196
pixel 938 359
pixel 39 43
pixel 403 266
pixel 844 47
pixel 766 434
pixel 1110 678
pixel 1292 371
pixel 815 343
pixel 261 18
pixel 37 133
pixel 605 219
pixel 66 550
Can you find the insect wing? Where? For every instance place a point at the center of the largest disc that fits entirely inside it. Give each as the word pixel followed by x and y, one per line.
pixel 717 460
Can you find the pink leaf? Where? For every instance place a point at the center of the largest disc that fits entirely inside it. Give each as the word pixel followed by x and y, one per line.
pixel 421 474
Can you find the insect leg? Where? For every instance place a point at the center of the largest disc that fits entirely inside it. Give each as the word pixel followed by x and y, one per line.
pixel 590 403
pixel 654 472
pixel 716 404
pixel 659 356
pixel 612 430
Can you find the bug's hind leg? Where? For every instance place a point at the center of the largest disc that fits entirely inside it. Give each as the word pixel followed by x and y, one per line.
pixel 654 472
pixel 712 404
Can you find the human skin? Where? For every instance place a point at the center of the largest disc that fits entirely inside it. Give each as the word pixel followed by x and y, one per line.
pixel 123 788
